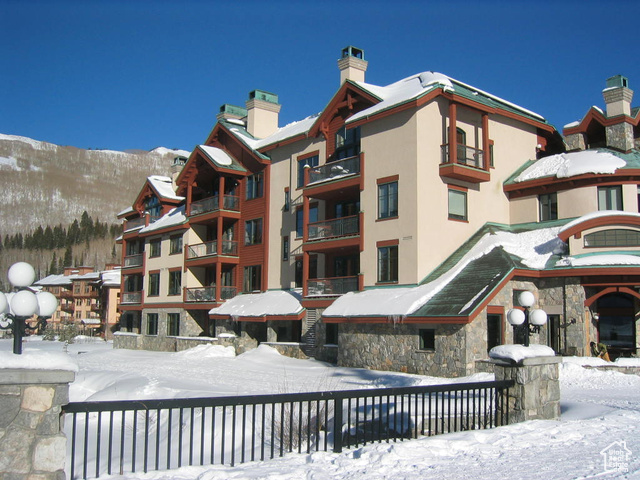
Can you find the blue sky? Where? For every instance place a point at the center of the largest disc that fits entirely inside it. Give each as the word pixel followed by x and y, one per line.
pixel 141 74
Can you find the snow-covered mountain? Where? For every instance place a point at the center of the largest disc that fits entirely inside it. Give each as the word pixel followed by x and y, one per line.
pixel 46 184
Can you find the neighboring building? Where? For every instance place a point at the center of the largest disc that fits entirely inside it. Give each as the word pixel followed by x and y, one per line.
pixel 86 298
pixel 401 220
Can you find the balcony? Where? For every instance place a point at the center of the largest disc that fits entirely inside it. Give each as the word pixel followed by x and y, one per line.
pixel 212 204
pixel 132 261
pixel 66 306
pixel 95 307
pixel 131 298
pixel 201 295
pixel 334 170
pixel 469 166
pixel 134 223
pixel 332 286
pixel 335 228
pixel 208 249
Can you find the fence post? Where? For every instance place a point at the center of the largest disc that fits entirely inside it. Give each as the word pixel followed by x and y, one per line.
pixel 32 440
pixel 337 426
pixel 536 393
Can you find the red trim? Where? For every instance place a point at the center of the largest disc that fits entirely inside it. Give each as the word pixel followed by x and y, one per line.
pixel 495 309
pixel 387 243
pixel 412 320
pixel 260 319
pixel 456 187
pixel 607 220
pixel 589 301
pixel 594 115
pixel 463 172
pixel 391 179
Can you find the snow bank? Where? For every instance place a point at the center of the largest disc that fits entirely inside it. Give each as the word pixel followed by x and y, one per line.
pixel 275 302
pixel 37 359
pixel 520 352
pixel 207 351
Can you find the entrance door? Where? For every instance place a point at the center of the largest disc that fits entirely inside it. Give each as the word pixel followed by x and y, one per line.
pixel 616 325
pixel 553 327
pixel 494 331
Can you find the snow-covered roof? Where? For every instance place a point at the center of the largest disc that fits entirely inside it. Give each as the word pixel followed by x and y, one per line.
pixel 54 280
pixel 288 131
pixel 271 303
pixel 565 165
pixel 218 155
pixel 534 248
pixel 164 186
pixel 600 259
pixel 175 217
pixel 111 278
pixel 598 214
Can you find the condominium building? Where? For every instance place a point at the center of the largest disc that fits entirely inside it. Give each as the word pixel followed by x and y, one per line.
pixel 388 231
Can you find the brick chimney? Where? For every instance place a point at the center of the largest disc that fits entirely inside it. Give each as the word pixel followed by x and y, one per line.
pixel 262 113
pixel 617 98
pixel 352 65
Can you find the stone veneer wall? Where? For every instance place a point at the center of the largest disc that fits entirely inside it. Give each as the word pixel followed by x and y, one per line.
pixel 396 347
pixel 134 341
pixel 536 393
pixel 32 443
pixel 620 136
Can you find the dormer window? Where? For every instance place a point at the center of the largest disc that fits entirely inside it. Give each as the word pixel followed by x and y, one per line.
pixel 152 205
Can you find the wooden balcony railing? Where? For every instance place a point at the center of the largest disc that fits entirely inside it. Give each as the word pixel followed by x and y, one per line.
pixel 134 223
pixel 332 286
pixel 201 295
pixel 335 170
pixel 337 227
pixel 206 249
pixel 212 204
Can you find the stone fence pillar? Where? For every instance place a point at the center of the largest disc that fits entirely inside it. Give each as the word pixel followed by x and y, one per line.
pixel 32 441
pixel 536 394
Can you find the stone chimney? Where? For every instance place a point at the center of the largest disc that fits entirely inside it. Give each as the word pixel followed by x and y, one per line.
pixel 262 113
pixel 617 97
pixel 352 65
pixel 231 112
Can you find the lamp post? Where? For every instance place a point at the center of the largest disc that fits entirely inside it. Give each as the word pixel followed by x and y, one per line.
pixel 526 322
pixel 19 306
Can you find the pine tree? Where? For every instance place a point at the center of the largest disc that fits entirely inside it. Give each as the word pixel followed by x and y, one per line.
pixel 53 267
pixel 68 257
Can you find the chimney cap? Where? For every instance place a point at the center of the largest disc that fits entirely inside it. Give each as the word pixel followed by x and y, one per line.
pixel 263 95
pixel 617 81
pixel 351 51
pixel 233 110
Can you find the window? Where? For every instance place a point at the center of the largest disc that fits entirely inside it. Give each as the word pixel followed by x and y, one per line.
pixel 173 324
pixel 388 200
pixel 254 186
pixel 152 324
pixel 155 248
pixel 175 282
pixel 154 284
pixel 331 337
pixel 175 244
pixel 548 204
pixel 253 232
pixel 312 161
pixel 617 237
pixel 285 249
pixel 313 217
pixel 287 200
pixel 461 141
pixel 152 205
pixel 347 142
pixel 388 264
pixel 427 339
pixel 457 205
pixel 252 276
pixel 610 198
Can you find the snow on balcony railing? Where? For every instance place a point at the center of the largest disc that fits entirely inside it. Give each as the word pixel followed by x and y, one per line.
pixel 131 297
pixel 335 170
pixel 133 260
pixel 211 204
pixel 332 286
pixel 469 156
pixel 338 227
pixel 229 248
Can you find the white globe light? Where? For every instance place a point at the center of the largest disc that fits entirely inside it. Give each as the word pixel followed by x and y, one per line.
pixel 47 303
pixel 526 299
pixel 21 274
pixel 24 303
pixel 4 304
pixel 538 317
pixel 515 316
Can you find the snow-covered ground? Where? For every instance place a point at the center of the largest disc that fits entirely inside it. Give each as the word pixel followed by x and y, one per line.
pixel 599 410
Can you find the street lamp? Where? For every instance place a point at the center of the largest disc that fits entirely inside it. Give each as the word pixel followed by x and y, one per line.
pixel 19 306
pixel 526 322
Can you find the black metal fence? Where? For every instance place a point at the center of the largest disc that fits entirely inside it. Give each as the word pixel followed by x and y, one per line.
pixel 128 436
